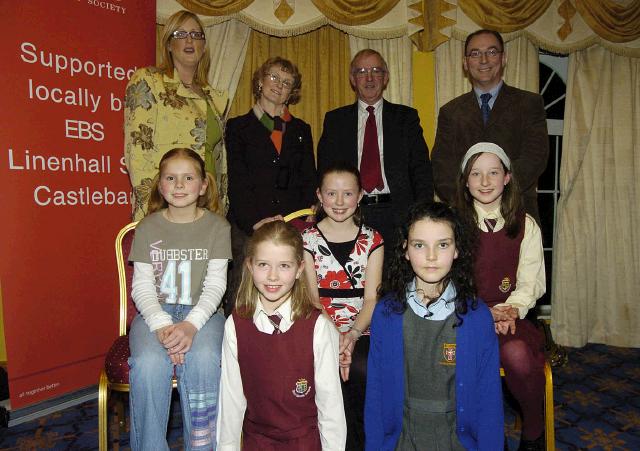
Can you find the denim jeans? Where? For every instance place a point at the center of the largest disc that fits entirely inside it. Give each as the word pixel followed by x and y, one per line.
pixel 198 383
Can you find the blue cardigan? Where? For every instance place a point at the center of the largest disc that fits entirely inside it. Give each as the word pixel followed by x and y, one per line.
pixel 479 410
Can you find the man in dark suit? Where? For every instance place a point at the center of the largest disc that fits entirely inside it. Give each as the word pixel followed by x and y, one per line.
pixel 385 142
pixel 492 112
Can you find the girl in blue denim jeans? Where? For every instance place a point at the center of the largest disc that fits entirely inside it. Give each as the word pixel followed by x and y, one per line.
pixel 180 255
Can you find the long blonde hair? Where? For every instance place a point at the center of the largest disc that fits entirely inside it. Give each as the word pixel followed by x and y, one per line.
pixel 208 200
pixel 280 234
pixel 173 23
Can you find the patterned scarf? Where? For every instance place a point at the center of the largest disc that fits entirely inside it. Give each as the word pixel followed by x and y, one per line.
pixel 276 125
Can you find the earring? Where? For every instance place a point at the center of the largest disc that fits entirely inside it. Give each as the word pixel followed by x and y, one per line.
pixel 321 205
pixel 259 89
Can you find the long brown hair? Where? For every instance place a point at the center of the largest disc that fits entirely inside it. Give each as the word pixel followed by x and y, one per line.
pixel 281 234
pixel 510 203
pixel 208 200
pixel 173 23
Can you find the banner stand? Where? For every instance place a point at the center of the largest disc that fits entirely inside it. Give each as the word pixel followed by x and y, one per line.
pixel 35 411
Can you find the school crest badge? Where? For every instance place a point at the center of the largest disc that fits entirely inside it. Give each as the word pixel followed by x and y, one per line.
pixel 505 285
pixel 302 388
pixel 448 354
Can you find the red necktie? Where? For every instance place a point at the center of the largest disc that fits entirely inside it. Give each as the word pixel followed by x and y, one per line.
pixel 275 322
pixel 370 170
pixel 490 223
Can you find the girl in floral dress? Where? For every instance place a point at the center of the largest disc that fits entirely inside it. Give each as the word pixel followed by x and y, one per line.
pixel 343 266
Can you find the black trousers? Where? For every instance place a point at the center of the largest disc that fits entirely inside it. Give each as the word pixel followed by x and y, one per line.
pixel 353 393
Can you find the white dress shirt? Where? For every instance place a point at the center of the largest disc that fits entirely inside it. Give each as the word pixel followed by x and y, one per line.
pixel 363 114
pixel 233 404
pixel 531 279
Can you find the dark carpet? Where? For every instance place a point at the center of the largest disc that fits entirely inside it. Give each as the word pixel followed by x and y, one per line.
pixel 597 407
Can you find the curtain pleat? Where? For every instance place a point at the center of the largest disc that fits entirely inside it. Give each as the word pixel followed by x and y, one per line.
pixel 354 12
pixel 597 242
pixel 215 7
pixel 504 15
pixel 612 20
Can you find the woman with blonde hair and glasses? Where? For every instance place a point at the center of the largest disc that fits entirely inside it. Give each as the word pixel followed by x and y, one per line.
pixel 173 106
pixel 271 162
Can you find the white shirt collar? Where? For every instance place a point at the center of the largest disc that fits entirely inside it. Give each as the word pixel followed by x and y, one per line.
pixel 362 106
pixel 493 214
pixel 261 317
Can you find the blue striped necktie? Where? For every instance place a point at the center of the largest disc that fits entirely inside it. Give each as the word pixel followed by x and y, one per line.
pixel 485 107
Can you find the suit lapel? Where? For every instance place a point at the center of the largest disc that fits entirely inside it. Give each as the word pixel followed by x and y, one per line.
pixel 351 134
pixel 390 137
pixel 261 130
pixel 501 105
pixel 289 138
pixel 473 109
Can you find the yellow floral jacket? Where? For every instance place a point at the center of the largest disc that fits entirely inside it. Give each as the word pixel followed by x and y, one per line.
pixel 160 114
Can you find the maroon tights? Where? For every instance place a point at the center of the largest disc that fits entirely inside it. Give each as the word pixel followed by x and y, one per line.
pixel 522 357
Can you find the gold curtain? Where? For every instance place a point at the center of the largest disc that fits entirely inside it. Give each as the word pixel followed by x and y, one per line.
pixel 597 243
pixel 432 20
pixel 504 15
pixel 611 20
pixel 322 57
pixel 215 7
pixel 354 12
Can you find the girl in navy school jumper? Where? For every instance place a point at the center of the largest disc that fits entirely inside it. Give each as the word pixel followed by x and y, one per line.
pixel 509 276
pixel 280 388
pixel 447 389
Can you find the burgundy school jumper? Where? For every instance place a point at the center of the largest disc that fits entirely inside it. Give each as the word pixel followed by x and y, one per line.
pixel 278 379
pixel 521 354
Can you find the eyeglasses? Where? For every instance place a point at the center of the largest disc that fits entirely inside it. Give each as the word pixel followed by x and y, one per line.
pixel 491 53
pixel 288 84
pixel 195 35
pixel 362 72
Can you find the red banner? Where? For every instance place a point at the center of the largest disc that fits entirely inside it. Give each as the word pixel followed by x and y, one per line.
pixel 63 184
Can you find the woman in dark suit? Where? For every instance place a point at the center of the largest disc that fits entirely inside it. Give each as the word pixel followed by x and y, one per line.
pixel 270 156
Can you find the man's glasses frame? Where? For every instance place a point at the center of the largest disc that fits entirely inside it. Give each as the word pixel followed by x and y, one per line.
pixel 363 72
pixel 477 54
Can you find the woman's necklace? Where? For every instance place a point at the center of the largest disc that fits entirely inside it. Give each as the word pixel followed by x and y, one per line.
pixel 172 219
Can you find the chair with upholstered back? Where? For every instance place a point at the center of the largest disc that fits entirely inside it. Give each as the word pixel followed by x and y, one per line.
pixel 115 375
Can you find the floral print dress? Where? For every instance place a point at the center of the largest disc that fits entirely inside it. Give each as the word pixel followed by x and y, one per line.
pixel 341 287
pixel 160 114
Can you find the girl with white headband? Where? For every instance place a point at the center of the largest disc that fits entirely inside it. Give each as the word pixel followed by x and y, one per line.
pixel 509 275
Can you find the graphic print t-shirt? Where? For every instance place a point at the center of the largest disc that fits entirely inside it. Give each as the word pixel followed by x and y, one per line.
pixel 180 253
